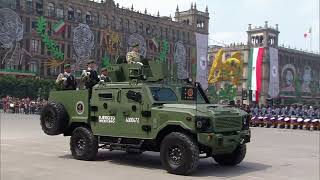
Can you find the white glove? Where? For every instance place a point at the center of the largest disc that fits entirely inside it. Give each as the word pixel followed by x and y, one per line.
pixel 138 63
pixel 64 78
pixel 84 73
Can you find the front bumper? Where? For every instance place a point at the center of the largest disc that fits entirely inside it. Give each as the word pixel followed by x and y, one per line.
pixel 224 144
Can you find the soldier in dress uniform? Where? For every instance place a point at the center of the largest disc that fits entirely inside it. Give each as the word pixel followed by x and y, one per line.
pixel 104 76
pixel 66 81
pixel 90 76
pixel 134 56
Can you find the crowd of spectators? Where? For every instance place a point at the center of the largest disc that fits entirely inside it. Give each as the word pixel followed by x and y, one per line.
pixel 21 105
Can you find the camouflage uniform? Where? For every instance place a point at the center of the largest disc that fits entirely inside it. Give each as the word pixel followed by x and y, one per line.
pixel 133 57
pixel 66 81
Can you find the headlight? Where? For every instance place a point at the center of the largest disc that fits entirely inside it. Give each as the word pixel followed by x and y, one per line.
pixel 203 124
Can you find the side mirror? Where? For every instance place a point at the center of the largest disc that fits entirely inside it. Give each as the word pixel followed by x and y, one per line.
pixel 135 96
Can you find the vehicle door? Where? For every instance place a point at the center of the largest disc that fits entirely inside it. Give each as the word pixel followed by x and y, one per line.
pixel 130 112
pixel 104 110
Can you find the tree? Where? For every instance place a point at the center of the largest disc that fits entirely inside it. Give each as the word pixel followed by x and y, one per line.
pixel 25 87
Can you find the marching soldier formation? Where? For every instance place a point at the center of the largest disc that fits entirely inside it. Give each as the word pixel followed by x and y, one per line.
pixel 290 117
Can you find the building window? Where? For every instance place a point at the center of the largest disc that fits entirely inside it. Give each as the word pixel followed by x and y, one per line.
pixel 33 67
pixel 78 15
pixel 35 45
pixel 141 28
pixel 88 18
pixel 68 31
pixel 60 12
pixel 127 25
pixel 148 30
pixel 12 4
pixel 166 33
pixel 135 26
pixel 54 71
pixel 62 48
pixel 42 48
pixel 34 24
pixel 113 23
pixel 51 10
pixel 69 51
pixel 39 8
pixel 70 13
pixel 121 24
pixel 29 5
pixel 49 28
pixel 27 25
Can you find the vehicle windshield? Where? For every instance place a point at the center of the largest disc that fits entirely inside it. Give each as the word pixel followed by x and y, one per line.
pixel 163 94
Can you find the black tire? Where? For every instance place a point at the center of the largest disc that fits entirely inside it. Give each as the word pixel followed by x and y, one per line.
pixel 179 153
pixel 53 119
pixel 83 144
pixel 232 159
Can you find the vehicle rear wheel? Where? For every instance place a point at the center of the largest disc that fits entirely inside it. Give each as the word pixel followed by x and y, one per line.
pixel 179 153
pixel 83 144
pixel 232 159
pixel 53 119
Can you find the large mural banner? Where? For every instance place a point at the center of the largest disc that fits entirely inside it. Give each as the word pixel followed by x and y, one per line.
pixel 306 79
pixel 11 33
pixel 202 63
pixel 180 60
pixel 288 78
pixel 83 43
pixel 274 87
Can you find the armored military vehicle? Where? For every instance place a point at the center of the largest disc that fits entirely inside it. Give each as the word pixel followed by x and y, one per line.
pixel 143 109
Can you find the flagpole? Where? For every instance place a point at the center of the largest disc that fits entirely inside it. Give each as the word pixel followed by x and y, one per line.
pixel 310 41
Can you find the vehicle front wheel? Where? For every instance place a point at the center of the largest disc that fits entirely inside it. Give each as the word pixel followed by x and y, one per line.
pixel 83 144
pixel 179 153
pixel 232 159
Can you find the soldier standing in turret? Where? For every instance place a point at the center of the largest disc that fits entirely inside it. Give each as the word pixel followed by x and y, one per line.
pixel 66 81
pixel 134 56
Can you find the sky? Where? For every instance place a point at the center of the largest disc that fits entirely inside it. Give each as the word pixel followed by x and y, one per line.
pixel 229 19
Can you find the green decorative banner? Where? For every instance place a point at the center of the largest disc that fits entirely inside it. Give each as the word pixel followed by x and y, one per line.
pixel 164 50
pixel 50 44
pixel 106 61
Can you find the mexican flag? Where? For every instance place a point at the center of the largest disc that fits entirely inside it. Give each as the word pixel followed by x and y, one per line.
pixel 255 72
pixel 59 27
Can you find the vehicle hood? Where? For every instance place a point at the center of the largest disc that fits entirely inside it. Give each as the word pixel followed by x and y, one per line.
pixel 210 109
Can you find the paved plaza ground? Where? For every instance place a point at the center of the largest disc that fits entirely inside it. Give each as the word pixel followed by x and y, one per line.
pixel 274 154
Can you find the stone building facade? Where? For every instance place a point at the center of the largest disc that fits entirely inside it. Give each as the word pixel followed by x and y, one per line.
pixel 112 26
pixel 296 76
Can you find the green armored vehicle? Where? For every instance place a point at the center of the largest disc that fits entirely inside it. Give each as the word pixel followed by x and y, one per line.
pixel 141 110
